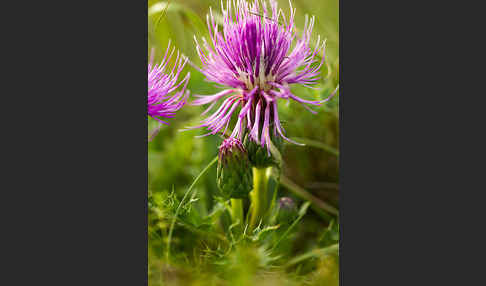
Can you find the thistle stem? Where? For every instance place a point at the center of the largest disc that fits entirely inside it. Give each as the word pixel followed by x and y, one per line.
pixel 259 195
pixel 237 210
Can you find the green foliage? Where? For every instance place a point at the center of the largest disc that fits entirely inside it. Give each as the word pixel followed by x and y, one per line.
pixel 192 237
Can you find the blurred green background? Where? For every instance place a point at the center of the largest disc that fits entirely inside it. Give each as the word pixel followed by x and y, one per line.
pixel 176 158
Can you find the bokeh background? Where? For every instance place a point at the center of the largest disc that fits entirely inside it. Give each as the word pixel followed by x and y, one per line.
pixel 176 158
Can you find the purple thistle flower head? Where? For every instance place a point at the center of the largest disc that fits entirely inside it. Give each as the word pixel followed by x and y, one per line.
pixel 162 82
pixel 257 56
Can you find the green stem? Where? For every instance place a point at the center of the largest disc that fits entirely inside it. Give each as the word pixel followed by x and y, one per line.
pixel 259 195
pixel 316 144
pixel 286 182
pixel 237 210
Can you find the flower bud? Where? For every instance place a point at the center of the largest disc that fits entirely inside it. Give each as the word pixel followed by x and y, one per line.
pixel 287 211
pixel 234 173
pixel 260 156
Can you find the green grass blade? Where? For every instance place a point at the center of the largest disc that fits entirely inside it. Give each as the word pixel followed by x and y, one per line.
pixel 314 253
pixel 155 8
pixel 302 212
pixel 286 182
pixel 171 229
pixel 315 144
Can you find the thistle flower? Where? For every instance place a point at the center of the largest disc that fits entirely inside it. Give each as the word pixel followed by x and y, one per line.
pixel 162 81
pixel 253 58
pixel 234 173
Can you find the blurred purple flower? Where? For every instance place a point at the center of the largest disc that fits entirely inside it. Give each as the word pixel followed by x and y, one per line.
pixel 162 81
pixel 253 57
pixel 286 203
